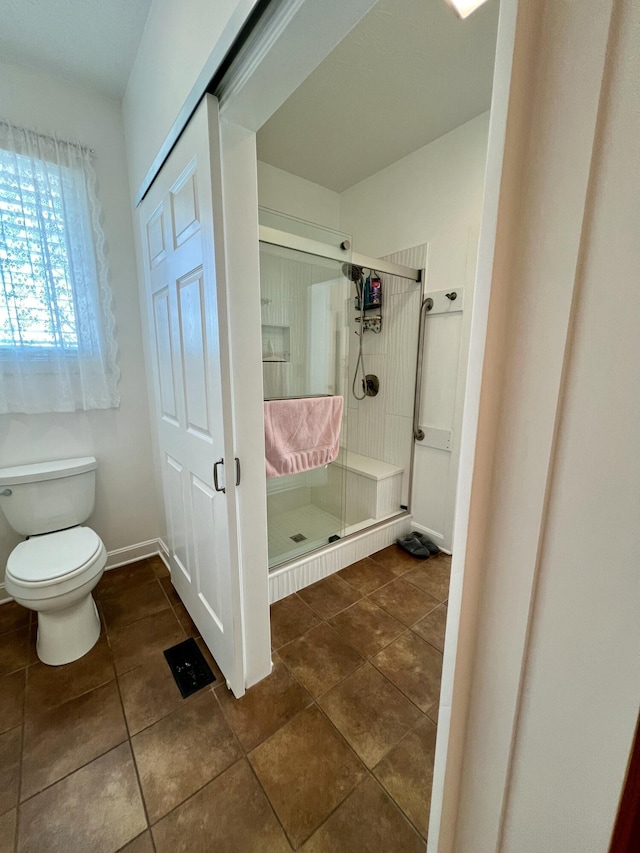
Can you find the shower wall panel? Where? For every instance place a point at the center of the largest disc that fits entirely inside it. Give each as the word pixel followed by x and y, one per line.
pixel 381 427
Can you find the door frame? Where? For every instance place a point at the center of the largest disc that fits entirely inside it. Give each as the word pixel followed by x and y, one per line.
pixel 256 86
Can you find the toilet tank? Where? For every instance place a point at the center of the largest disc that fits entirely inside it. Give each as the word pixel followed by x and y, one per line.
pixel 48 496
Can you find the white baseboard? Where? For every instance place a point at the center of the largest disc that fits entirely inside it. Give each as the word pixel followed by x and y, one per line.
pixel 438 538
pixel 123 556
pixel 5 598
pixel 163 553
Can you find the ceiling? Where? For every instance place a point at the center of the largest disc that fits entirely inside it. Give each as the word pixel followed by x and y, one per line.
pixel 89 42
pixel 408 73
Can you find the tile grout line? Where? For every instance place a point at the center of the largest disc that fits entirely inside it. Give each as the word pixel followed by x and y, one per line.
pixel 271 806
pixel 22 738
pixel 135 763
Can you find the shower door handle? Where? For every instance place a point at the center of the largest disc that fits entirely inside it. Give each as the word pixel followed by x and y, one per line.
pixel 238 471
pixel 216 485
pixel 426 306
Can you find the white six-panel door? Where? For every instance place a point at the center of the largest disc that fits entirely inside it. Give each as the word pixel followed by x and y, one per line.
pixel 184 277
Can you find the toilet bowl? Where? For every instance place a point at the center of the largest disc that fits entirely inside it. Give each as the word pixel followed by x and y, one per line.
pixel 56 568
pixel 54 574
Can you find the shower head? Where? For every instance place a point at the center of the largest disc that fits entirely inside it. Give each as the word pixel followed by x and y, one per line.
pixel 352 271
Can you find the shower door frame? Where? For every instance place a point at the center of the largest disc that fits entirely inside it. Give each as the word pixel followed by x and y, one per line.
pixel 308 246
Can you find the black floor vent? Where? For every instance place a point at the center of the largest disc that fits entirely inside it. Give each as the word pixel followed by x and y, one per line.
pixel 188 667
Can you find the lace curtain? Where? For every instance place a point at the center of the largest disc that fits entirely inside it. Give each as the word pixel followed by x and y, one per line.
pixel 58 349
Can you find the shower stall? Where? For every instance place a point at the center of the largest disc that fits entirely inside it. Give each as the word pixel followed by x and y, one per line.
pixel 337 324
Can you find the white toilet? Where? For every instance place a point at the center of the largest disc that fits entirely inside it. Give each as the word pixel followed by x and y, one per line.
pixel 54 571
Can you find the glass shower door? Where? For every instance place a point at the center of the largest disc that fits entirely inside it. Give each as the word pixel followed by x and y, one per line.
pixel 305 354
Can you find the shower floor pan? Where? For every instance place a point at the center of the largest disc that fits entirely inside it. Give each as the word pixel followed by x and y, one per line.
pixel 313 523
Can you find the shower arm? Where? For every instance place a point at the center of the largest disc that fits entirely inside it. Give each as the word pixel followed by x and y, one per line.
pixel 427 305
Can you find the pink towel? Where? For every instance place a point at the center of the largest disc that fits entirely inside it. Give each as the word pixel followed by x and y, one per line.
pixel 301 434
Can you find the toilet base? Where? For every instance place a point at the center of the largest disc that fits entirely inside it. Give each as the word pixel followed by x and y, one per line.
pixel 68 634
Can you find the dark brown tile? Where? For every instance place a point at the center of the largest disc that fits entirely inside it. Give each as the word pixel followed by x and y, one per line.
pixel 290 617
pixel 182 752
pixel 368 820
pixel 404 601
pixel 320 659
pixel 396 559
pixel 229 815
pixel 188 625
pixel 15 651
pixel 12 699
pixel 432 627
pixel 66 737
pixel 329 596
pixel 132 645
pixel 132 604
pixel 370 713
pixel 48 686
pixel 13 616
pixel 407 774
pixel 367 627
pixel 10 746
pixel 432 576
pixel 366 575
pixel 141 844
pixel 306 770
pixel 33 639
pixel 126 577
pixel 414 667
pixel 97 808
pixel 170 591
pixel 265 707
pixel 149 692
pixel 8 831
pixel 432 713
pixel 159 567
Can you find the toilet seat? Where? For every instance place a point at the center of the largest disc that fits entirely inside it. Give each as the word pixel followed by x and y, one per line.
pixel 54 563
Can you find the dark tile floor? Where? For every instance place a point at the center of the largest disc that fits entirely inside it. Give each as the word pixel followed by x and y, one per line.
pixel 332 752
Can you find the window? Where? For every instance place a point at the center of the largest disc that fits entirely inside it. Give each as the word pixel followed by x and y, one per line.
pixel 37 310
pixel 57 330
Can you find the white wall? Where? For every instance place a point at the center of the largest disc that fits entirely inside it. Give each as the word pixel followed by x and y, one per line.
pixel 119 438
pixel 178 39
pixel 290 194
pixel 433 192
pixel 581 687
pixel 546 688
pixel 433 195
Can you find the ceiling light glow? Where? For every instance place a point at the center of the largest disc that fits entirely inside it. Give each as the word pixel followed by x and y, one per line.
pixel 464 8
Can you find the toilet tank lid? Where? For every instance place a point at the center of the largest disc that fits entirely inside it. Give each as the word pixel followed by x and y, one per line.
pixel 46 470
